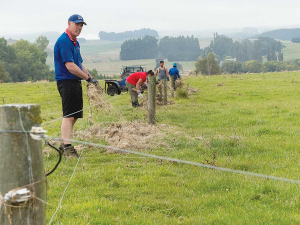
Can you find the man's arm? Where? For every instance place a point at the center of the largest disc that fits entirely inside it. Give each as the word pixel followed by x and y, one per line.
pixel 178 74
pixel 85 70
pixel 138 84
pixel 167 72
pixel 156 72
pixel 74 69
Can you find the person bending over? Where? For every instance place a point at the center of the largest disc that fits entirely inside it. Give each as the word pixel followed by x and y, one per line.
pixel 134 82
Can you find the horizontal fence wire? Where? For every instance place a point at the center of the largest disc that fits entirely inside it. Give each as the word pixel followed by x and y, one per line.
pixel 182 161
pixel 60 118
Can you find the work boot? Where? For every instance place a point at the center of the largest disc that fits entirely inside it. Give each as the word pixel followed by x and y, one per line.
pixel 135 104
pixel 69 152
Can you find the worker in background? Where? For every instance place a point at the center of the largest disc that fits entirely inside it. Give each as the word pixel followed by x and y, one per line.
pixel 134 82
pixel 174 74
pixel 163 74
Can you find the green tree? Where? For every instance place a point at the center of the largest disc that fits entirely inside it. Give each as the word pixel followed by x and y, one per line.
pixel 7 53
pixel 208 65
pixel 253 66
pixel 93 72
pixel 4 76
pixel 42 42
pixel 141 48
pixel 230 67
pixel 222 46
pixel 180 48
pixel 271 66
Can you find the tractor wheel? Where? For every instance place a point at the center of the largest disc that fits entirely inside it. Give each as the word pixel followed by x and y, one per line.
pixel 112 90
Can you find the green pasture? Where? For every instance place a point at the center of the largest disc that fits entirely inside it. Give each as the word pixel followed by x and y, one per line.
pixel 246 122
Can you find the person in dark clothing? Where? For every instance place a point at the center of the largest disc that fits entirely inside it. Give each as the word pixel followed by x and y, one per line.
pixel 163 74
pixel 174 74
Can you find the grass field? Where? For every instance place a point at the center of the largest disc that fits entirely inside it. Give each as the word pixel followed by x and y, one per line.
pixel 249 123
pixel 292 51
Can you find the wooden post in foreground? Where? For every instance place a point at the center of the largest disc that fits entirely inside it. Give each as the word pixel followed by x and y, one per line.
pixel 21 165
pixel 165 92
pixel 151 99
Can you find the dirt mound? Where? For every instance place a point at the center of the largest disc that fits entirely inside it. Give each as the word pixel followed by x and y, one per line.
pixel 95 95
pixel 127 135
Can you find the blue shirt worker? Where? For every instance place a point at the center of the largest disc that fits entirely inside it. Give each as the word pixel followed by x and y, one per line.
pixel 174 73
pixel 69 71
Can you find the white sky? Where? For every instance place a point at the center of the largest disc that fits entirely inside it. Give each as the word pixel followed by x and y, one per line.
pixel 19 16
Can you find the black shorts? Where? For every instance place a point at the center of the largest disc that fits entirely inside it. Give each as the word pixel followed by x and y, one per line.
pixel 71 96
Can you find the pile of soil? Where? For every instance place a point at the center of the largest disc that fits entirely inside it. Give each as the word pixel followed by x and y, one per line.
pixel 127 135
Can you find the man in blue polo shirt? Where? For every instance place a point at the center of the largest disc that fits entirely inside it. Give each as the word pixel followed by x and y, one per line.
pixel 69 72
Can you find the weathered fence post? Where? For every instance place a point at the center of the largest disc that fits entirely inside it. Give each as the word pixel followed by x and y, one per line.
pixel 151 99
pixel 21 165
pixel 165 92
pixel 172 87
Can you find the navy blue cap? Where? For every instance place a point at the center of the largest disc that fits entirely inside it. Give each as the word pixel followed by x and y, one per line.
pixel 76 19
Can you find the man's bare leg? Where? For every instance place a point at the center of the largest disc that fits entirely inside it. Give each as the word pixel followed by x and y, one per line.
pixel 67 128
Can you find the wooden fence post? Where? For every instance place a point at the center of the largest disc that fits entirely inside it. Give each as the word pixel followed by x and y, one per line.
pixel 172 87
pixel 151 99
pixel 165 92
pixel 21 165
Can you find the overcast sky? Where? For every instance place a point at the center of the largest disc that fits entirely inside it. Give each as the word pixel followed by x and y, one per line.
pixel 19 16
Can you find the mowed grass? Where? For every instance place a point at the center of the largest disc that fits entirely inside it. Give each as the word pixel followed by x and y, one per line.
pixel 250 123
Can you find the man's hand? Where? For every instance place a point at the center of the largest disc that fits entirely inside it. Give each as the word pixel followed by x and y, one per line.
pixel 168 79
pixel 93 81
pixel 140 95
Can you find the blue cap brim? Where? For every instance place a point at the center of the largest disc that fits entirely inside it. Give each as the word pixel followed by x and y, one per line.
pixel 78 21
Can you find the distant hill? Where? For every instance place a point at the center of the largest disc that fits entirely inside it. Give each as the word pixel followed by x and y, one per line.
pixel 281 34
pixel 246 33
pixel 105 36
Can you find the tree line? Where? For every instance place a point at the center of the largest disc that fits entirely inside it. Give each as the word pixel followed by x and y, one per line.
pixel 112 36
pixel 188 49
pixel 210 66
pixel 23 61
pixel 245 50
pixel 173 48
pixel 141 48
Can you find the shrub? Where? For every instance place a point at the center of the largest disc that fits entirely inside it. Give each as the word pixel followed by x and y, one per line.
pixel 182 93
